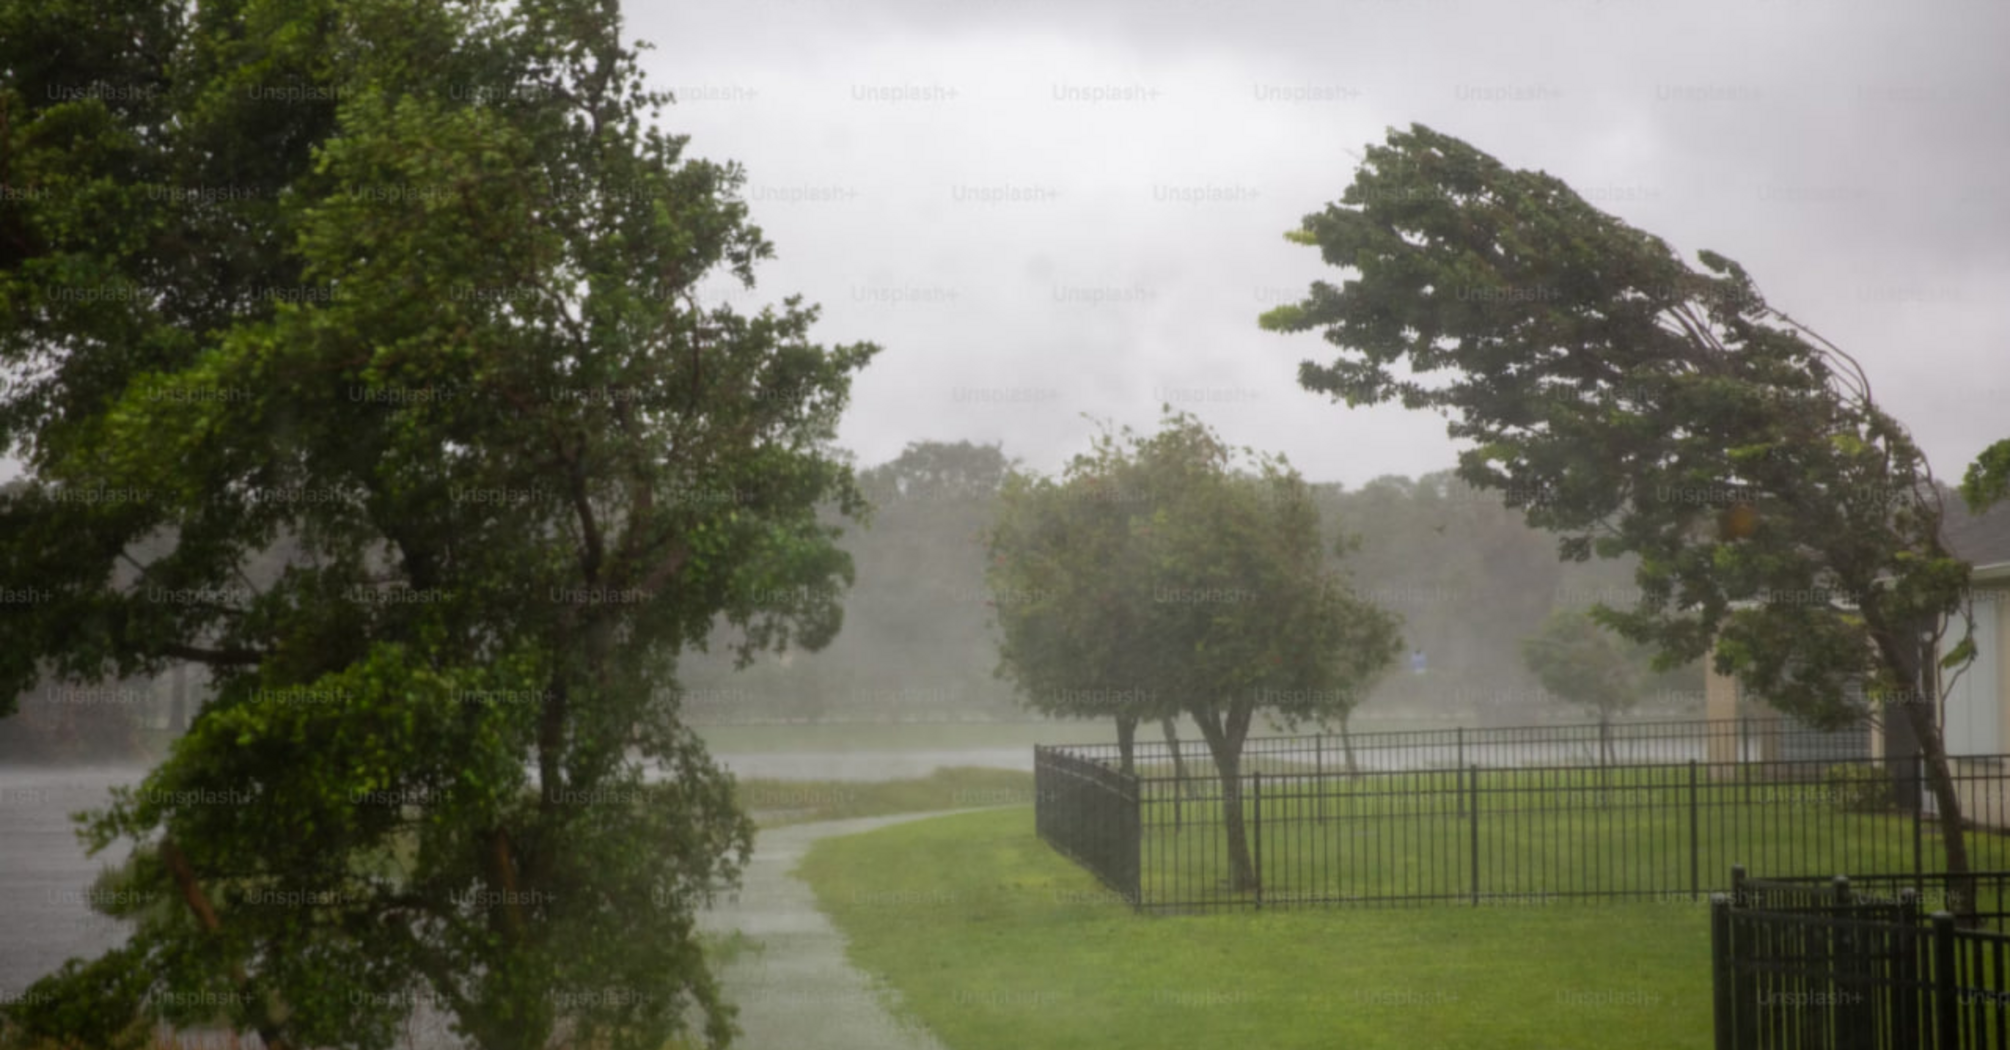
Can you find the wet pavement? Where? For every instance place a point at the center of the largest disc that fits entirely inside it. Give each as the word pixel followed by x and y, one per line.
pixel 797 989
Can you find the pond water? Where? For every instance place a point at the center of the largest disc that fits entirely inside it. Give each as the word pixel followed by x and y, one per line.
pixel 45 878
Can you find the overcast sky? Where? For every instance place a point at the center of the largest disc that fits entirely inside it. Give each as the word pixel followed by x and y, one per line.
pixel 1046 209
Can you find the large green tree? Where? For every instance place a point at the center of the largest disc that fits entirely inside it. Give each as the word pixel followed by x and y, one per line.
pixel 1638 406
pixel 1069 590
pixel 406 289
pixel 1157 578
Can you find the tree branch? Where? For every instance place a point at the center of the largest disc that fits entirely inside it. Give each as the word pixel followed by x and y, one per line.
pixel 214 657
pixel 205 914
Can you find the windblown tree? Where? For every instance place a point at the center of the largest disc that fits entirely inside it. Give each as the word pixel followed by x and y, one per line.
pixel 1157 578
pixel 1069 590
pixel 1638 406
pixel 1583 664
pixel 408 286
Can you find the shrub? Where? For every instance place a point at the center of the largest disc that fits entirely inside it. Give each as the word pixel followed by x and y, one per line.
pixel 1860 788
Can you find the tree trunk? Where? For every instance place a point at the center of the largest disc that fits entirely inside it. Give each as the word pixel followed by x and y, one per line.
pixel 1347 745
pixel 1241 872
pixel 1947 801
pixel 1179 760
pixel 1127 735
pixel 1911 655
pixel 1224 742
pixel 262 1006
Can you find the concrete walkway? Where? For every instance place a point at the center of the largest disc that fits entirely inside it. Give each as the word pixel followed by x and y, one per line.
pixel 797 989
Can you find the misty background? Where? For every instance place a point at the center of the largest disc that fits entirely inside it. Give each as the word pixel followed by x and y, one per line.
pixel 1055 217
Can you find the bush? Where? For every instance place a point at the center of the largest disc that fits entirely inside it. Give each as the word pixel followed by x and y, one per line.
pixel 1860 788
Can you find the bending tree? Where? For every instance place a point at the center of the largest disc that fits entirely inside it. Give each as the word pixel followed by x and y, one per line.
pixel 1073 640
pixel 1164 581
pixel 1635 405
pixel 407 285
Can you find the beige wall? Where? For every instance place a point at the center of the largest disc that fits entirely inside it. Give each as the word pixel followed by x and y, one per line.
pixel 1722 700
pixel 2000 592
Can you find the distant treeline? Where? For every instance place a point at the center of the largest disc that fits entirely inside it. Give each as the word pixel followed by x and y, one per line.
pixel 1468 577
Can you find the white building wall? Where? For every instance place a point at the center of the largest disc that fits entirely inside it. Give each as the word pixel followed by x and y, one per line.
pixel 1973 722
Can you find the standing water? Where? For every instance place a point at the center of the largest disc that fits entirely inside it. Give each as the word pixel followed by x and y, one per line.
pixel 45 878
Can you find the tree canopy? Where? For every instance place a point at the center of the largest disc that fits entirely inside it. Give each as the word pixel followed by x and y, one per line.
pixel 1155 578
pixel 1988 478
pixel 406 290
pixel 1582 663
pixel 1635 405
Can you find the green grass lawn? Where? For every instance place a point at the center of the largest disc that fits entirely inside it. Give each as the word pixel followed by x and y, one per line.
pixel 994 940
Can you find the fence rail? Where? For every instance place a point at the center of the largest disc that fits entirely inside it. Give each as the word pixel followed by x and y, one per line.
pixel 1981 895
pixel 1723 741
pixel 1313 833
pixel 1089 812
pixel 1798 965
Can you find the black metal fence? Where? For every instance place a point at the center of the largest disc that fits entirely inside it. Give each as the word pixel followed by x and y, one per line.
pixel 1724 741
pixel 1982 896
pixel 1805 965
pixel 1294 827
pixel 1088 812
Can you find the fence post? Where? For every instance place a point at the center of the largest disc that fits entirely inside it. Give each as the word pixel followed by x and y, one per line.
pixel 1040 807
pixel 1946 1008
pixel 1319 776
pixel 1695 839
pixel 1136 834
pixel 1918 820
pixel 1723 971
pixel 1745 982
pixel 1460 763
pixel 1905 971
pixel 1848 966
pixel 1256 861
pixel 1745 755
pixel 1473 785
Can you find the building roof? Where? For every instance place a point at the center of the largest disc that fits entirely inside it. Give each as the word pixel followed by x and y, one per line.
pixel 1979 539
